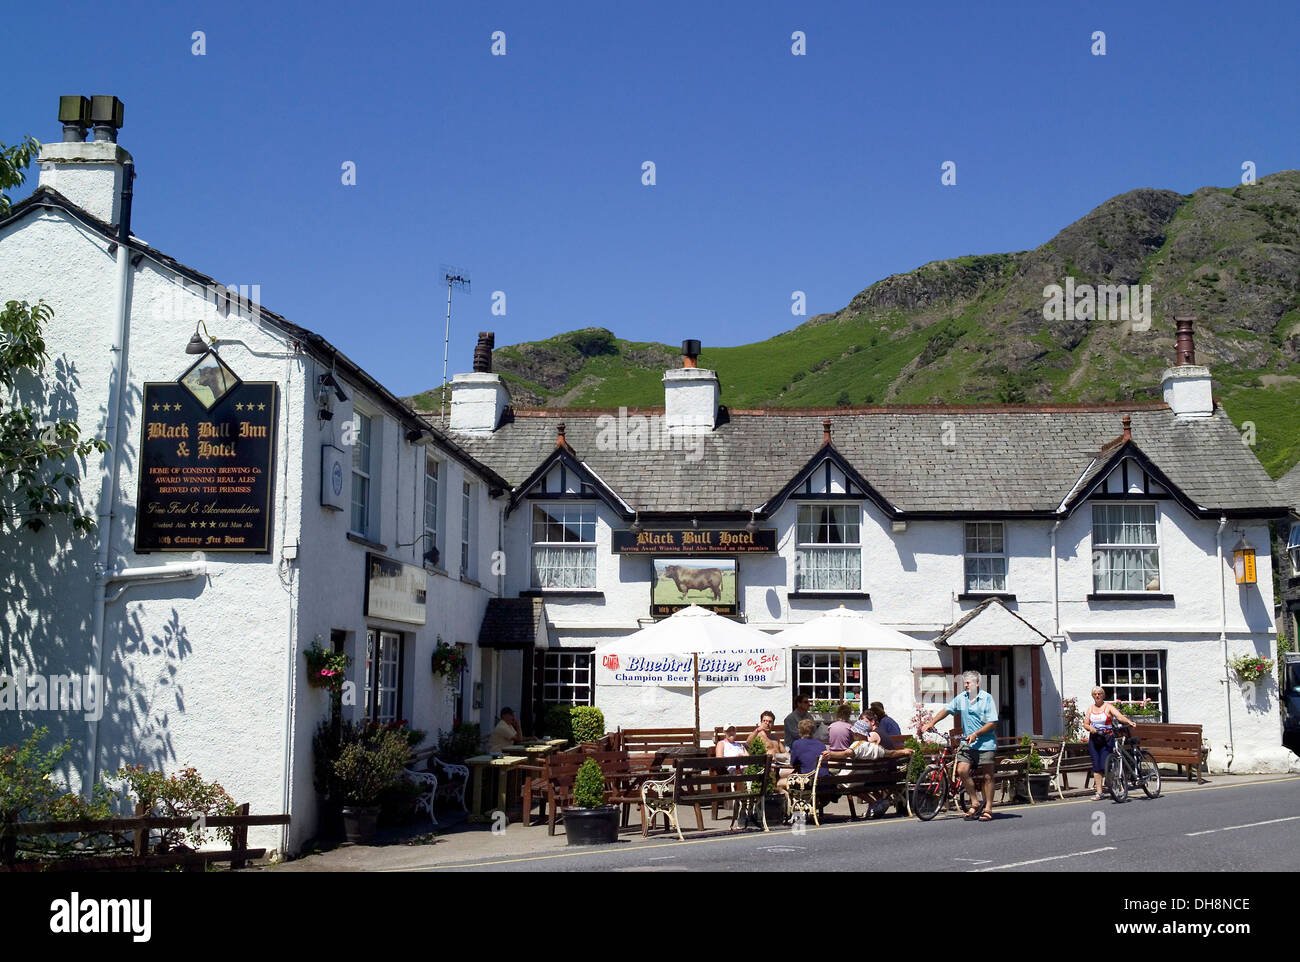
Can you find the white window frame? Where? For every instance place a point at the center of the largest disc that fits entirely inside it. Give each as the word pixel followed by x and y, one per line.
pixel 1151 686
pixel 365 475
pixel 1115 547
pixel 431 507
pixel 973 578
pixel 823 673
pixel 568 676
pixel 383 674
pixel 587 580
pixel 467 493
pixel 846 548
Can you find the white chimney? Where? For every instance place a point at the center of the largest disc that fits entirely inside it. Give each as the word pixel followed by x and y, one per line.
pixel 690 395
pixel 91 175
pixel 1187 385
pixel 478 400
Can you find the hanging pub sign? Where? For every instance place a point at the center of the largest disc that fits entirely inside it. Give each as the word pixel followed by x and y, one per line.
pixel 395 591
pixel 691 541
pixel 207 462
pixel 707 582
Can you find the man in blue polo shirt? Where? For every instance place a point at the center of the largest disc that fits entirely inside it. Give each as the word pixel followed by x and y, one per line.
pixel 978 716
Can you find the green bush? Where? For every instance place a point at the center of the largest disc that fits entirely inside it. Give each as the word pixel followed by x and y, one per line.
pixel 558 722
pixel 370 765
pixel 589 786
pixel 1034 761
pixel 921 752
pixel 756 747
pixel 588 723
pixel 183 795
pixel 460 743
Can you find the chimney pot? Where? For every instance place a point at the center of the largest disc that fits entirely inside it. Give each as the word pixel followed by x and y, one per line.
pixel 826 431
pixel 483 352
pixel 690 351
pixel 1185 347
pixel 1128 427
pixel 559 436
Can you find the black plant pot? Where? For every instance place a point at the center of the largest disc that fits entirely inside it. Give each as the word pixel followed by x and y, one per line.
pixel 359 823
pixel 591 826
pixel 774 809
pixel 1040 788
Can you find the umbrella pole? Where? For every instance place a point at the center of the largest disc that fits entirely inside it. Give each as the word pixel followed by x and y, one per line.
pixel 844 671
pixel 695 656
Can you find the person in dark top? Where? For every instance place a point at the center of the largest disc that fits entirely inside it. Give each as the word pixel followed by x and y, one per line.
pixel 806 752
pixel 801 705
pixel 884 724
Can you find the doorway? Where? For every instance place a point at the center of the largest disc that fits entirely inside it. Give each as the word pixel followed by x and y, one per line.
pixel 996 677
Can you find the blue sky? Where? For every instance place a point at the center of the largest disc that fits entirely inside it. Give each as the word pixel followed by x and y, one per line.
pixel 774 172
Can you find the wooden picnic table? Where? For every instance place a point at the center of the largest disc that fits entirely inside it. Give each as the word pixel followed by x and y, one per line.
pixel 536 749
pixel 478 764
pixel 666 756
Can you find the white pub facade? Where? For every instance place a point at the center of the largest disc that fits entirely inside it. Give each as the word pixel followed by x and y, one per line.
pixel 1051 548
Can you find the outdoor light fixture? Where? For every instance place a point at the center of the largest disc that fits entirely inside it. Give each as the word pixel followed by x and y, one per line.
pixel 636 522
pixel 752 527
pixel 327 379
pixel 1243 561
pixel 898 527
pixel 74 113
pixel 197 345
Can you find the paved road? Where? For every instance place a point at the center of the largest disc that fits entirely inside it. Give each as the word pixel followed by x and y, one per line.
pixel 1252 827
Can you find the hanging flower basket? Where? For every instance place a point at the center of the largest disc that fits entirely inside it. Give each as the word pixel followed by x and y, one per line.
pixel 326 669
pixel 1251 668
pixel 448 660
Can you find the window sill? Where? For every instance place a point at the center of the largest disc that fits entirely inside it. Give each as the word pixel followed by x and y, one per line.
pixel 986 595
pixel 1130 596
pixel 436 571
pixel 375 545
pixel 562 593
pixel 830 595
pixel 467 580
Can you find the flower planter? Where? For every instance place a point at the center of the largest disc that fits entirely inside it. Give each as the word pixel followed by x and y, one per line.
pixel 1040 785
pixel 774 809
pixel 359 823
pixel 591 826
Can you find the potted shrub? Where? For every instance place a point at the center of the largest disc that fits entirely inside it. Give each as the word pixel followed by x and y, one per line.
pixel 590 821
pixel 773 801
pixel 1140 711
pixel 369 762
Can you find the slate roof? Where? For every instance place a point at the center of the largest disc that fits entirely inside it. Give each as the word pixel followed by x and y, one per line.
pixel 511 622
pixel 1026 634
pixel 1289 487
pixel 1005 459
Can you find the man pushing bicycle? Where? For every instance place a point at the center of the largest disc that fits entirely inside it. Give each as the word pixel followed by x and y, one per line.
pixel 978 716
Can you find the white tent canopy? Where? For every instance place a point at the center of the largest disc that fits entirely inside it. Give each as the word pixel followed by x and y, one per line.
pixel 693 630
pixel 842 628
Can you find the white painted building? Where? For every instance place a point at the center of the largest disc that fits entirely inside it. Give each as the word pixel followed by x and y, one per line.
pixel 202 652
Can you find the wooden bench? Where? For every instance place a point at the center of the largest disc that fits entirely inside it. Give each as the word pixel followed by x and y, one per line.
pixel 868 778
pixel 696 782
pixel 642 743
pixel 1174 744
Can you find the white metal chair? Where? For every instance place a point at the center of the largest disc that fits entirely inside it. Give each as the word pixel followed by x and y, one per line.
pixel 454 780
pixel 429 783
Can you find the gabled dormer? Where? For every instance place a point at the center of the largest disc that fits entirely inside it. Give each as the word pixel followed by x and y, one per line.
pixel 828 476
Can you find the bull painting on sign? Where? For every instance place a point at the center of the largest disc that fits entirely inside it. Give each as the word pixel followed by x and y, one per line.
pixel 707 582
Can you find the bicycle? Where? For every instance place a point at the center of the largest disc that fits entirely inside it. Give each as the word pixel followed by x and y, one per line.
pixel 937 783
pixel 1130 766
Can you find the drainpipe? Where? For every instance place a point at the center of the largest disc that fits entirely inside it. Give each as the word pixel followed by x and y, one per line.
pixel 1223 638
pixel 108 486
pixel 1056 612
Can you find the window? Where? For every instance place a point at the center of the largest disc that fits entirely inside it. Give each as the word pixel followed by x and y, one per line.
pixel 1131 676
pixel 430 505
pixel 830 549
pixel 383 676
pixel 1293 548
pixel 829 675
pixel 361 476
pixel 564 677
pixel 564 546
pixel 986 559
pixel 466 520
pixel 1125 555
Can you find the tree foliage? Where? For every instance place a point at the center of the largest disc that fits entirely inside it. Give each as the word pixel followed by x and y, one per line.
pixel 37 480
pixel 13 163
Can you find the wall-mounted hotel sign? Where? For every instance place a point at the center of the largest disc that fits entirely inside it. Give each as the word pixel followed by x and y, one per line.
pixel 395 591
pixel 207 462
pixel 707 582
pixel 691 541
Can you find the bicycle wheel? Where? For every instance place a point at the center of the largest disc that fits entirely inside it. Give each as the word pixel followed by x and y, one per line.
pixel 1148 774
pixel 929 793
pixel 1115 778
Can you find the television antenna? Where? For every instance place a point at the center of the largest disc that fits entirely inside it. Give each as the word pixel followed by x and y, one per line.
pixel 455 277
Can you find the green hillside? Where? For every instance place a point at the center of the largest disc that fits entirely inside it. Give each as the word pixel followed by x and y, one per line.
pixel 973 329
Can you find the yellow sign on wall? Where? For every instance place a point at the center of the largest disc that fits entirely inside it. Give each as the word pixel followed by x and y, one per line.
pixel 1243 563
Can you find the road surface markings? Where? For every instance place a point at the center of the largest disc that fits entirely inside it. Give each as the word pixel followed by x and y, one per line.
pixel 977 861
pixel 1229 828
pixel 1050 858
pixel 662 858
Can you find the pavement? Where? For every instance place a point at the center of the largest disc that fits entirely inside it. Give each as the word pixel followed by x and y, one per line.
pixel 1230 822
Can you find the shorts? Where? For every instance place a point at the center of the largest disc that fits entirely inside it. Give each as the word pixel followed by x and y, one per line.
pixel 975 758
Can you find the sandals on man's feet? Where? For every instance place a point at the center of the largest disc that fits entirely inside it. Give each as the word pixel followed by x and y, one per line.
pixel 985 817
pixel 975 812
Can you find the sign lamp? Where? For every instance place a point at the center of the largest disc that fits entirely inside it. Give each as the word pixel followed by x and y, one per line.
pixel 1243 561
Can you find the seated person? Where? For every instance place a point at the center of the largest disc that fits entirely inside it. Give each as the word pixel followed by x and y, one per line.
pixel 506 733
pixel 839 737
pixel 806 752
pixel 727 746
pixel 866 744
pixel 766 722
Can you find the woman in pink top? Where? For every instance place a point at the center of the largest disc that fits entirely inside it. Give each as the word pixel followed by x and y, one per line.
pixel 1099 720
pixel 841 730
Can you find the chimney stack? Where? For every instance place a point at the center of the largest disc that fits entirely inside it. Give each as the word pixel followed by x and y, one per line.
pixel 90 175
pixel 483 352
pixel 1128 427
pixel 479 400
pixel 690 395
pixel 1187 385
pixel 826 431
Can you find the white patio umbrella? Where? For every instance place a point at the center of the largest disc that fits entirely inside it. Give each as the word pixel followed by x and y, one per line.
pixel 691 631
pixel 847 630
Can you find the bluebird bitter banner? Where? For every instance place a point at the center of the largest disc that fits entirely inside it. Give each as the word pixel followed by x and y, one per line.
pixel 207 472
